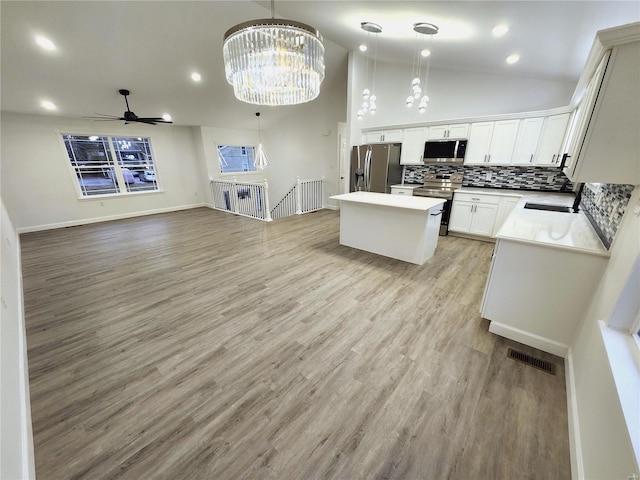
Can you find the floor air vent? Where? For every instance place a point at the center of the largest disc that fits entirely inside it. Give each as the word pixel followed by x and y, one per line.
pixel 534 362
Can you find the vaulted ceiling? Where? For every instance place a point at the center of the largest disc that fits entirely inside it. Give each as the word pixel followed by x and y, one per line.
pixel 151 48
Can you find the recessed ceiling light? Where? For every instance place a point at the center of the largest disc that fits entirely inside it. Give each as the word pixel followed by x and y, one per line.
pixel 363 48
pixel 196 77
pixel 426 52
pixel 93 138
pixel 499 30
pixel 513 58
pixel 166 116
pixel 48 105
pixel 45 43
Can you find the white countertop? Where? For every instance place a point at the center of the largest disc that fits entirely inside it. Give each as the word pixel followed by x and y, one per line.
pixel 571 231
pixel 556 198
pixel 387 200
pixel 406 185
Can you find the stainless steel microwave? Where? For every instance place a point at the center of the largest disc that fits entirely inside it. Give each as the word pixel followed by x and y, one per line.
pixel 444 151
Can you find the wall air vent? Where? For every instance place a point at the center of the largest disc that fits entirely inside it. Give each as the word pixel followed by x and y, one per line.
pixel 534 362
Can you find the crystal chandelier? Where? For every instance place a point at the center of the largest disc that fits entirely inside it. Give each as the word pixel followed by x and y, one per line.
pixel 416 88
pixel 369 98
pixel 274 61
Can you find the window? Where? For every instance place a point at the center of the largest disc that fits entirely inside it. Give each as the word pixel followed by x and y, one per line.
pixel 236 159
pixel 111 165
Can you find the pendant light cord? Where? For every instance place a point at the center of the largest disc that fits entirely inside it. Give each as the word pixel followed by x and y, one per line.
pixel 273 8
pixel 259 129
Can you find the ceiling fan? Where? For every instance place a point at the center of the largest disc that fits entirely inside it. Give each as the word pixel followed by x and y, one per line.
pixel 128 115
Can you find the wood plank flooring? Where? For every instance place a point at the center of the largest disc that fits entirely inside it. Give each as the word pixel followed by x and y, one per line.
pixel 199 344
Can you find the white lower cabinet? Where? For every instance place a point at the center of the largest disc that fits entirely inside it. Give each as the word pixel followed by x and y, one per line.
pixel 474 213
pixel 507 204
pixel 528 297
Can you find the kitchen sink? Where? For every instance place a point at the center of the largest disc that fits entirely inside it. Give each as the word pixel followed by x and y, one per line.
pixel 548 207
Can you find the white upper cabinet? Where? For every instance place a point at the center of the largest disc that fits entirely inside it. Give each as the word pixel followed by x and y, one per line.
pixel 527 141
pixel 503 141
pixel 413 146
pixel 383 136
pixel 455 131
pixel 479 143
pixel 550 145
pixel 605 146
pixel 491 142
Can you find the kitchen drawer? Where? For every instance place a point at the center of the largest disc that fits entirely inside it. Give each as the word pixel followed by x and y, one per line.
pixel 401 191
pixel 477 197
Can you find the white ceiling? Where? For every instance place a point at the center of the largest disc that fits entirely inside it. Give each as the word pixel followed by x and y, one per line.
pixel 151 48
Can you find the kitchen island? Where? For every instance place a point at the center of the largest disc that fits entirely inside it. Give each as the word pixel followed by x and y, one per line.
pixel 401 227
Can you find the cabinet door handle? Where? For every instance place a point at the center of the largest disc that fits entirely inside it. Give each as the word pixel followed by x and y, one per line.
pixel 531 159
pixel 489 158
pixel 474 198
pixel 553 159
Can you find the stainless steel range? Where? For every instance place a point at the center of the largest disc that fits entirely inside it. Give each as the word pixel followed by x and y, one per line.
pixel 441 185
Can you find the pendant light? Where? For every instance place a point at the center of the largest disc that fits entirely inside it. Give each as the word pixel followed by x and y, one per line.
pixel 369 98
pixel 261 161
pixel 274 61
pixel 417 86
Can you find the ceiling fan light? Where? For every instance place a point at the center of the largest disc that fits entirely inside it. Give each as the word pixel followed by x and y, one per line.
pixel 274 61
pixel 166 117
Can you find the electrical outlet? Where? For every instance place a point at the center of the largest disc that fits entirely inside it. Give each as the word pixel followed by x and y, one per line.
pixel 550 179
pixel 488 176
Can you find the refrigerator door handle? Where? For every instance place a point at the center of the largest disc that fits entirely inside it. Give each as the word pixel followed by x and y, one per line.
pixel 367 169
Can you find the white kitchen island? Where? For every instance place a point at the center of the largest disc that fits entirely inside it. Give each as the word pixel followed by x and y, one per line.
pixel 396 226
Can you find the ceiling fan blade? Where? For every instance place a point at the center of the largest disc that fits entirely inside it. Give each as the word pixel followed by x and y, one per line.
pixel 148 121
pixel 154 119
pixel 106 115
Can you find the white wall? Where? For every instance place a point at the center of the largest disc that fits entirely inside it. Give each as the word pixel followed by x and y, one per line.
pixel 453 94
pixel 16 438
pixel 38 186
pixel 606 448
pixel 303 144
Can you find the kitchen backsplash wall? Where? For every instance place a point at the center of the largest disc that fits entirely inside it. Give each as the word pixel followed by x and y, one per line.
pixel 604 205
pixel 520 178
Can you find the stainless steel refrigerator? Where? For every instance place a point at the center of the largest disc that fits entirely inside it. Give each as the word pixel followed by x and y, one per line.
pixel 374 168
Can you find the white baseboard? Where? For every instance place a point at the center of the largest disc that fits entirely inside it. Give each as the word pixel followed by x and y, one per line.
pixel 531 339
pixel 575 446
pixel 331 207
pixel 85 221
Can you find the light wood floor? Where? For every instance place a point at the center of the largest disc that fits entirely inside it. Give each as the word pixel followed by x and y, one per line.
pixel 203 345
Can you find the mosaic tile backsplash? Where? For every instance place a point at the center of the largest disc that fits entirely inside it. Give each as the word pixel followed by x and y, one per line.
pixel 520 178
pixel 604 205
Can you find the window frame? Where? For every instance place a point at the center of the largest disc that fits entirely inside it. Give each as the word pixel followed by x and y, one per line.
pixel 118 174
pixel 232 174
